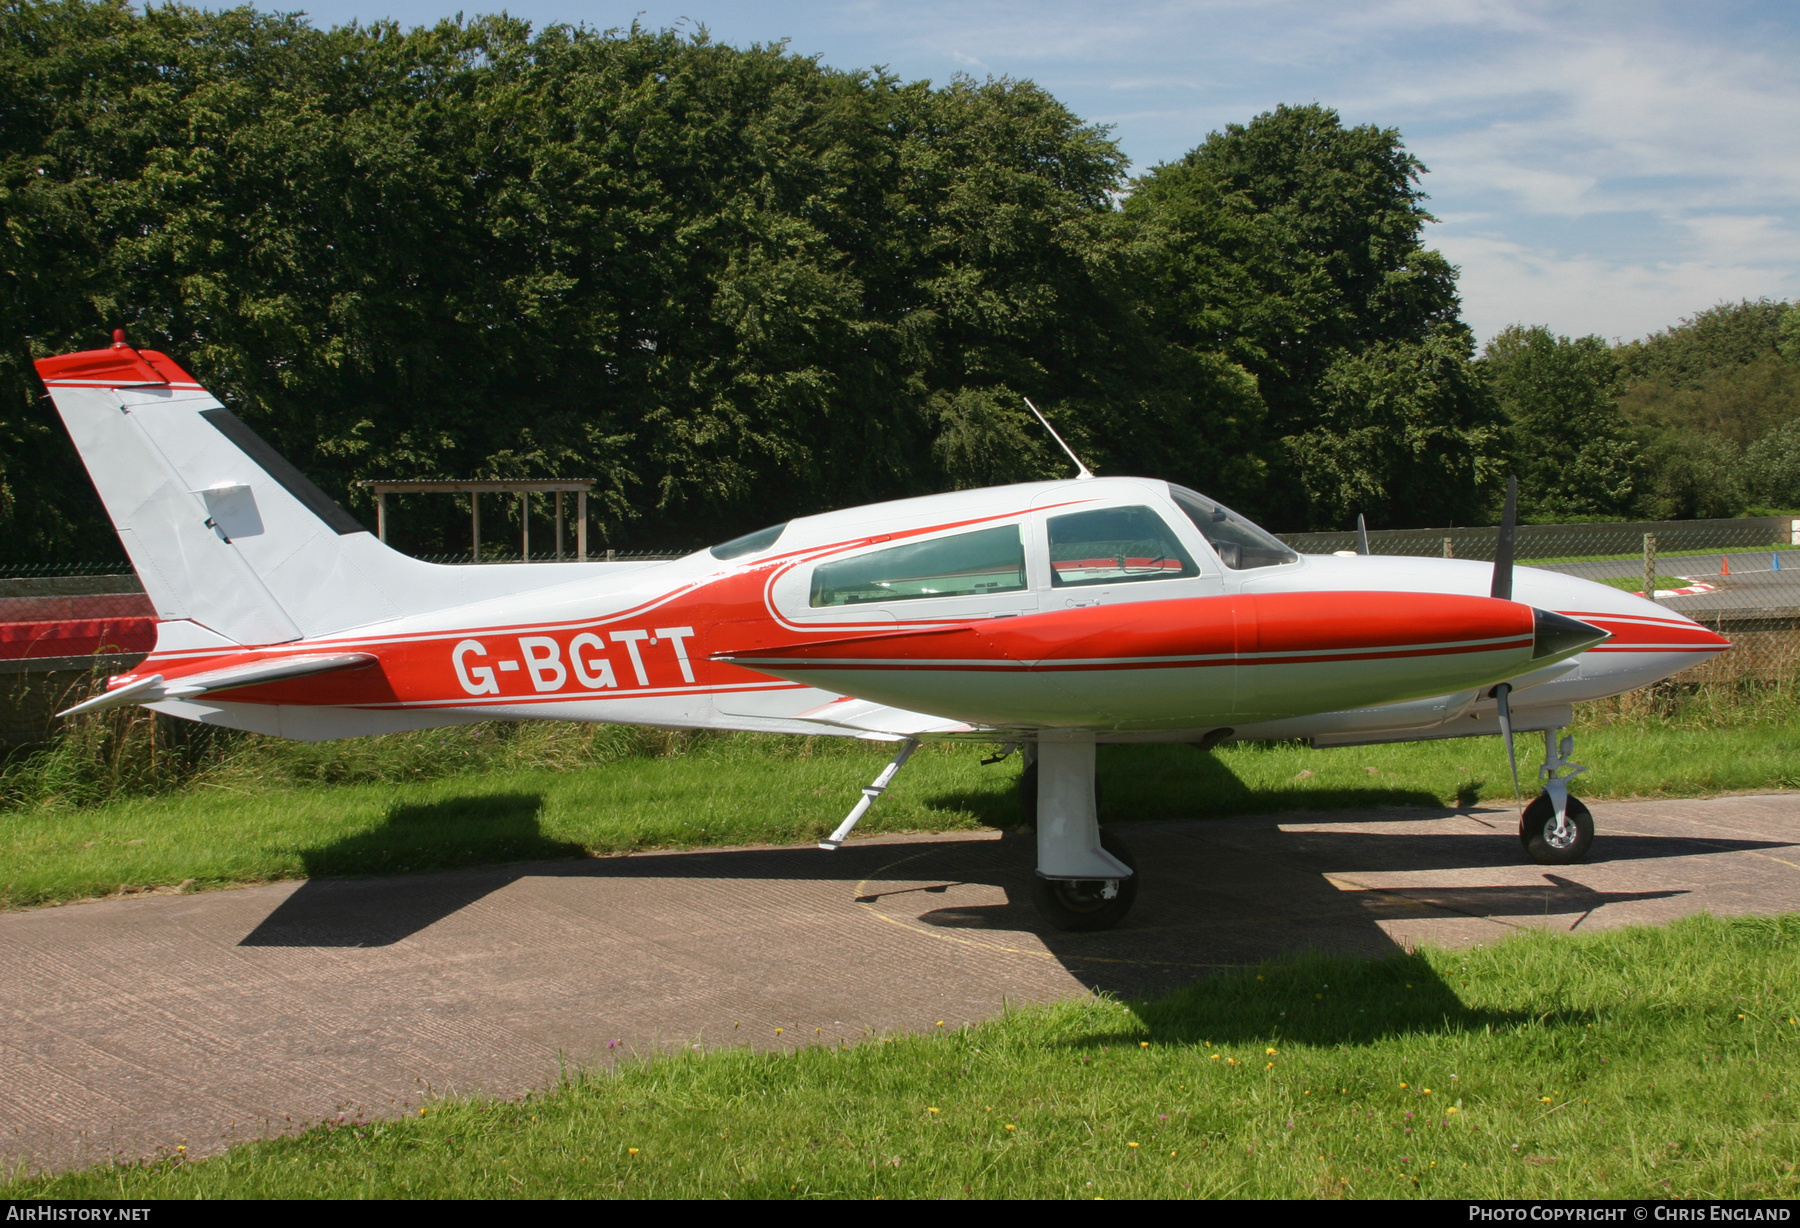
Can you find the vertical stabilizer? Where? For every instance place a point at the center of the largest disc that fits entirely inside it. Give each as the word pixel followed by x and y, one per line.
pixel 224 531
pixel 221 529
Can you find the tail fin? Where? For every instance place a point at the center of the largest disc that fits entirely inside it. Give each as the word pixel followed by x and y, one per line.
pixel 221 529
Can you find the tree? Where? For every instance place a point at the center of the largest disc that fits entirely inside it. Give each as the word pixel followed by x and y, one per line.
pixel 1567 442
pixel 1293 247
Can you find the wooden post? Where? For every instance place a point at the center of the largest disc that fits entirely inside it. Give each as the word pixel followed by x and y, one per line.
pixel 559 495
pixel 581 526
pixel 475 526
pixel 1449 547
pixel 1649 567
pixel 381 515
pixel 525 527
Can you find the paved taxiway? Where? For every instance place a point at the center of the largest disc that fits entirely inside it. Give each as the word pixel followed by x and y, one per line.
pixel 135 1025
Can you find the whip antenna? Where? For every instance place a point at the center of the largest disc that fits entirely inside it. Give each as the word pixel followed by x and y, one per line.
pixel 1081 470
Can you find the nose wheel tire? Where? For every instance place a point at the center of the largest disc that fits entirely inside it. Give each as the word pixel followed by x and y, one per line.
pixel 1537 832
pixel 1088 905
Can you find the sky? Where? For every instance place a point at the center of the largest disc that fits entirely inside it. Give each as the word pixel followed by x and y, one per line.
pixel 1597 167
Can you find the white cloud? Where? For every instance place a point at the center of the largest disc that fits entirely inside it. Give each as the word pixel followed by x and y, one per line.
pixel 1506 282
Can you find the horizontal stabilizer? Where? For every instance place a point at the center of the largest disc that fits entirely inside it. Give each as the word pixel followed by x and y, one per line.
pixel 280 669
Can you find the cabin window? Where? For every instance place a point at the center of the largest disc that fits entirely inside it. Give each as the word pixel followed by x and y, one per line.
pixel 1239 544
pixel 1115 545
pixel 967 565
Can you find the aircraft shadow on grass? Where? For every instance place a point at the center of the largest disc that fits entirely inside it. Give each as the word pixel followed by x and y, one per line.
pixel 1216 896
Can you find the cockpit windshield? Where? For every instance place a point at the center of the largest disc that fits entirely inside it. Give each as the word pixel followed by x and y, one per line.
pixel 1239 544
pixel 749 543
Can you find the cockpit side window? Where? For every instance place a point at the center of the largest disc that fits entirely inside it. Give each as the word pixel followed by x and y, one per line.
pixel 967 565
pixel 1114 545
pixel 749 543
pixel 1239 544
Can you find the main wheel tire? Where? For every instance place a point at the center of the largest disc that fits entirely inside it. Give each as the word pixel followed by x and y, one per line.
pixel 1537 832
pixel 1084 906
pixel 1028 795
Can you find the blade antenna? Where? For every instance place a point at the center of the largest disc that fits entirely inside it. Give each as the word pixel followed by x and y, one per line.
pixel 1081 469
pixel 1362 535
pixel 1503 546
pixel 1506 731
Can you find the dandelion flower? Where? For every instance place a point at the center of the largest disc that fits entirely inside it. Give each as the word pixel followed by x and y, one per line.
pixel 1270 1066
pixel 1453 1109
pixel 631 1151
pixel 1010 1126
pixel 931 1110
pixel 1543 1100
pixel 1425 1091
pixel 1403 1086
pixel 779 1031
pixel 1131 1144
pixel 1270 1052
pixel 940 1023
pixel 1215 1057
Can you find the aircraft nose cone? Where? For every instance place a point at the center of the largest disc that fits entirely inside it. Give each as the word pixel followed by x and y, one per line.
pixel 1558 635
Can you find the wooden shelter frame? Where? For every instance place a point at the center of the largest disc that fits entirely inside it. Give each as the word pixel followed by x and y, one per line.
pixel 557 486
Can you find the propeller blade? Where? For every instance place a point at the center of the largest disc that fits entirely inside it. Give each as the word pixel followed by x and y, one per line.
pixel 1362 535
pixel 1503 547
pixel 1512 755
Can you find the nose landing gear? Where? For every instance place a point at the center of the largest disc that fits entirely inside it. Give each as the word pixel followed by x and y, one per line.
pixel 1557 829
pixel 1085 877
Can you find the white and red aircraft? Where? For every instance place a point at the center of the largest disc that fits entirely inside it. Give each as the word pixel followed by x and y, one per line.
pixel 1048 615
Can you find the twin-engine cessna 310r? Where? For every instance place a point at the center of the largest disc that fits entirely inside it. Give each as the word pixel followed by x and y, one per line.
pixel 1050 615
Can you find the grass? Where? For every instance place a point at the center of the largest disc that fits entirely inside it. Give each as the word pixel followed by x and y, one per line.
pixel 1651 1062
pixel 487 794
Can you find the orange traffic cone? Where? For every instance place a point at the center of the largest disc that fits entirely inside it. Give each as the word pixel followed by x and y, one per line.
pixel 1725 565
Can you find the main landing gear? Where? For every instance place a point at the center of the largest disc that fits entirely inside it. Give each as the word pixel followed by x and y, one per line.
pixel 1086 877
pixel 1556 829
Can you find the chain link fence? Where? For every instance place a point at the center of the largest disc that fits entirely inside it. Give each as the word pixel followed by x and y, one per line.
pixel 1740 577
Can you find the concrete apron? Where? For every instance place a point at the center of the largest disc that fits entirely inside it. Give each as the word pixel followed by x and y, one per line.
pixel 137 1025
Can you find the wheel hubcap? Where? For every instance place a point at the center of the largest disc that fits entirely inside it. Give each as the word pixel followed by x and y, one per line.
pixel 1559 840
pixel 1087 896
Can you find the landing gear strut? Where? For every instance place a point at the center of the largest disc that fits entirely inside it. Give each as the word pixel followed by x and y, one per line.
pixel 1557 829
pixel 1085 878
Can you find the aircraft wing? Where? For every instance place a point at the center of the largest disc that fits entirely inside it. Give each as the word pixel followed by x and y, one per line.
pixel 867 717
pixel 279 669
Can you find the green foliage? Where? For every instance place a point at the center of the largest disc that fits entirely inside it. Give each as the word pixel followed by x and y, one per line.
pixel 1771 466
pixel 1405 432
pixel 709 277
pixel 1711 402
pixel 1566 441
pixel 1650 1062
pixel 1728 335
pixel 1293 248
